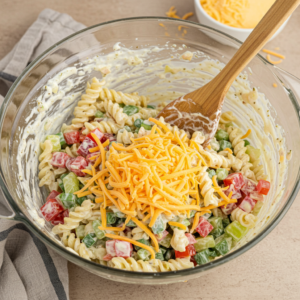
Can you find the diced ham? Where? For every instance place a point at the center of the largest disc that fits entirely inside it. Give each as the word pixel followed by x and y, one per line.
pixel 204 227
pixel 191 238
pixel 122 249
pixel 59 219
pixel 51 209
pixel 236 179
pixel 107 257
pixel 230 207
pixel 77 164
pixel 98 133
pixel 110 247
pixel 189 251
pixel 246 204
pixel 59 159
pixel 72 137
pixel 52 195
pixel 87 144
pixel 263 187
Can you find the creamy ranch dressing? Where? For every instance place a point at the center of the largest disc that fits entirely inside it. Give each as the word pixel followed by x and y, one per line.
pixel 143 70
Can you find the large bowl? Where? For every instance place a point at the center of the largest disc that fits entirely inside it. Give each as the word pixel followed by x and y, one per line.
pixel 137 32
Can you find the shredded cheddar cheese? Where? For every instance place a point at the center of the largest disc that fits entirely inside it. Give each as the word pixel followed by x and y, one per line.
pixel 275 85
pixel 182 226
pixel 273 53
pixel 273 61
pixel 228 149
pixel 246 134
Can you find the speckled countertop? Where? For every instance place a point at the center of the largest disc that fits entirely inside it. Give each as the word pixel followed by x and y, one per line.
pixel 270 270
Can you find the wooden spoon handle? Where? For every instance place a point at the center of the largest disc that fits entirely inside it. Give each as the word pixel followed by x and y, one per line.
pixel 265 29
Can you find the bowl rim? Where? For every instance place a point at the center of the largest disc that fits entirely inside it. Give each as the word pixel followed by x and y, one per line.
pixel 241 30
pixel 154 276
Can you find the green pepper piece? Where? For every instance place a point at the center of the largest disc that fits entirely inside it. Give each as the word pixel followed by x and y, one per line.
pixel 55 141
pixel 111 218
pixel 223 245
pixel 217 223
pixel 100 234
pixel 159 255
pixel 225 222
pixel 158 226
pixel 222 173
pixel 202 257
pixel 61 139
pixel 224 145
pixel 63 176
pixel 143 254
pixel 80 200
pixel 163 250
pixel 131 224
pixel 127 128
pixel 67 200
pixel 71 183
pixel 89 240
pixel 138 123
pixel 169 254
pixel 99 114
pixel 122 105
pixel 212 253
pixel 143 241
pixel 146 126
pixel 130 110
pixel 80 232
pixel 151 106
pixel 253 153
pixel 222 135
pixel 211 173
pixel 246 143
pixel 204 243
pixel 236 230
pixel 166 241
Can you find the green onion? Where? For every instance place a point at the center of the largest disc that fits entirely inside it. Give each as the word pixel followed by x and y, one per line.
pixel 138 123
pixel 89 240
pixel 130 110
pixel 246 143
pixel 147 127
pixel 151 106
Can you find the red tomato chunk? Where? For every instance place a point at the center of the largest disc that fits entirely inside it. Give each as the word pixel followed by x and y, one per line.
pixel 89 156
pixel 72 137
pixel 189 251
pixel 236 194
pixel 236 179
pixel 59 219
pixel 87 144
pixel 204 227
pixel 97 132
pixel 59 159
pixel 81 135
pixel 191 238
pixel 246 204
pixel 110 247
pixel 53 195
pixel 77 164
pixel 193 260
pixel 248 187
pixel 263 187
pixel 51 209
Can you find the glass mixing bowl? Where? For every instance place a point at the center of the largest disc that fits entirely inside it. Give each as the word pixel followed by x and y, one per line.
pixel 136 32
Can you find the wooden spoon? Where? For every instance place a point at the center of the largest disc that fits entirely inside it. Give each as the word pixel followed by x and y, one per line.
pixel 200 110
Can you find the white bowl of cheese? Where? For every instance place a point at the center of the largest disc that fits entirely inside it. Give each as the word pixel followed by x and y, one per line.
pixel 247 16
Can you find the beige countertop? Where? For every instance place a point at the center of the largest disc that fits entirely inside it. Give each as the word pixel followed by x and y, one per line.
pixel 270 270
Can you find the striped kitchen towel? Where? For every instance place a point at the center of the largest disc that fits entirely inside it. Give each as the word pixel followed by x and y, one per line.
pixel 28 269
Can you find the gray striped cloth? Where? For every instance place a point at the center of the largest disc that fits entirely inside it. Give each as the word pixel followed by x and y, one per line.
pixel 28 269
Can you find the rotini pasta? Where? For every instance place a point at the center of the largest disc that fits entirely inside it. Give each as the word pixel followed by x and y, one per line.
pixel 115 112
pixel 72 151
pixel 174 129
pixel 179 241
pixel 105 126
pixel 258 170
pixel 245 219
pixel 124 137
pixel 138 234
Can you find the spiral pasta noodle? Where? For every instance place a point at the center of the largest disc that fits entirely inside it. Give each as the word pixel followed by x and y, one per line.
pixel 245 219
pixel 115 112
pixel 72 151
pixel 174 129
pixel 258 170
pixel 138 233
pixel 179 241
pixel 230 161
pixel 105 126
pixel 155 265
pixel 124 137
pixel 144 113
pixel 227 117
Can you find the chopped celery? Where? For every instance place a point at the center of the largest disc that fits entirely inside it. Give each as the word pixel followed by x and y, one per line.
pixel 158 226
pixel 253 153
pixel 202 257
pixel 236 230
pixel 222 173
pixel 55 141
pixel 166 241
pixel 257 208
pixel 67 200
pixel 89 240
pixel 111 218
pixel 222 135
pixel 217 223
pixel 143 254
pixel 80 200
pixel 204 243
pixel 131 224
pixel 99 114
pixel 138 123
pixel 225 222
pixel 246 143
pixel 170 253
pixel 80 232
pixel 151 106
pixel 71 183
pixel 100 234
pixel 127 128
pixel 130 110
pixel 224 145
pixel 159 255
pixel 61 139
pixel 143 241
pixel 211 173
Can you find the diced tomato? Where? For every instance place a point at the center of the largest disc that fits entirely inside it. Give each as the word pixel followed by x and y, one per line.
pixel 248 187
pixel 59 219
pixel 110 247
pixel 229 208
pixel 98 133
pixel 204 227
pixel 53 195
pixel 263 187
pixel 161 236
pixel 108 136
pixel 81 135
pixel 236 179
pixel 59 159
pixel 256 196
pixel 51 209
pixel 92 155
pixel 191 238
pixel 246 204
pixel 189 251
pixel 85 146
pixel 71 137
pixel 193 260
pixel 236 194
pixel 107 257
pixel 122 249
pixel 77 164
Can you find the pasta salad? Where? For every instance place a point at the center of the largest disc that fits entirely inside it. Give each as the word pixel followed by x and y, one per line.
pixel 132 192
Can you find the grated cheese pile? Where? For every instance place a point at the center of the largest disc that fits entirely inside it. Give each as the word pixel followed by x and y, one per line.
pixel 157 174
